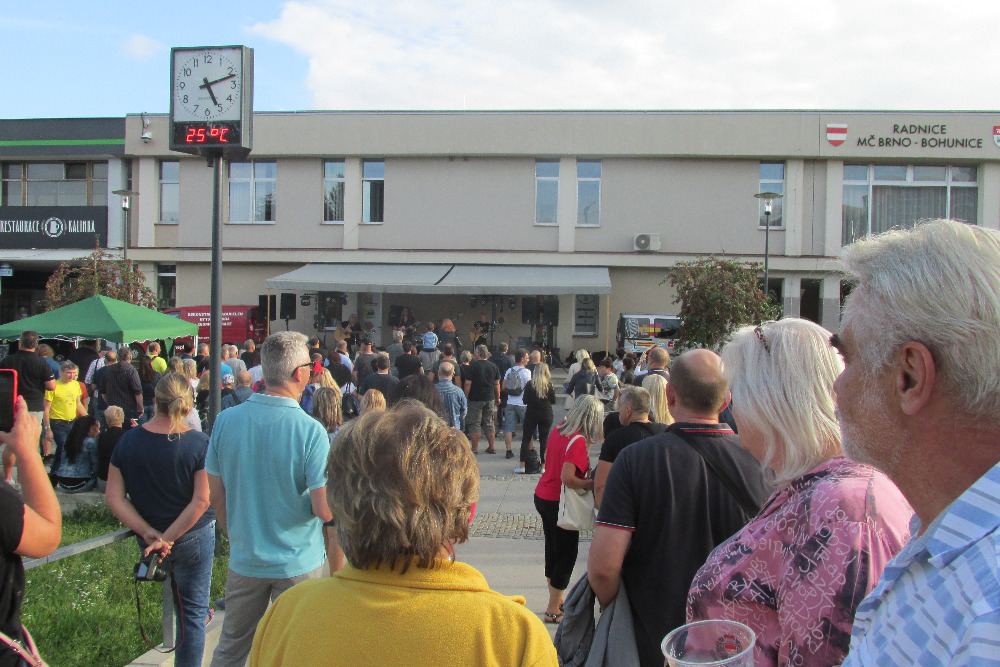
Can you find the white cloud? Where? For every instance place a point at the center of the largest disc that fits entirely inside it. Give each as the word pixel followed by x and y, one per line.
pixel 141 47
pixel 636 54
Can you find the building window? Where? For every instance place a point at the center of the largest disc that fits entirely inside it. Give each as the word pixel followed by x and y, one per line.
pixel 878 197
pixel 546 192
pixel 588 194
pixel 585 315
pixel 166 285
pixel 373 191
pixel 772 179
pixel 252 192
pixel 54 183
pixel 333 191
pixel 170 191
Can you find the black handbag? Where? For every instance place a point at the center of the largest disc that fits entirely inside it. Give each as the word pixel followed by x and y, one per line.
pixel 532 462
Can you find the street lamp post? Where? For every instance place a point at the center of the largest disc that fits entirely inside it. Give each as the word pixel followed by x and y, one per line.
pixel 768 198
pixel 126 196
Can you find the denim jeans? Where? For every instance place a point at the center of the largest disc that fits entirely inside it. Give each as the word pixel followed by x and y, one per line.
pixel 60 430
pixel 191 558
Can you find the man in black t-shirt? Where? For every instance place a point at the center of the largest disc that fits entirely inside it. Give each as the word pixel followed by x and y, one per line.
pixel 34 378
pixel 657 360
pixel 482 389
pixel 380 379
pixel 408 363
pixel 633 413
pixel 664 511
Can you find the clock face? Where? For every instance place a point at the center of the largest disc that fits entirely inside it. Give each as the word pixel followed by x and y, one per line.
pixel 207 84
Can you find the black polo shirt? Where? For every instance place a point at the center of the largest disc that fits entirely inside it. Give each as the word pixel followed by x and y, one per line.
pixel 624 436
pixel 32 374
pixel 678 511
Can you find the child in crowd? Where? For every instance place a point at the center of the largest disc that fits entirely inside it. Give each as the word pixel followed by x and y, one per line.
pixel 114 416
pixel 430 339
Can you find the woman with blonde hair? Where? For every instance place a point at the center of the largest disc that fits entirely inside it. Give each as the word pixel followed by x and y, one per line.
pixel 402 485
pixel 158 487
pixel 659 411
pixel 373 401
pixel 539 396
pixel 567 462
pixel 175 365
pixel 326 409
pixel 191 373
pixel 796 573
pixel 573 369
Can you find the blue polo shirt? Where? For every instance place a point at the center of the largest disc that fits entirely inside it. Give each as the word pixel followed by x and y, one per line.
pixel 270 454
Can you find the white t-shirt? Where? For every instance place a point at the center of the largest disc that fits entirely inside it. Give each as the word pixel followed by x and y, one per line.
pixel 525 378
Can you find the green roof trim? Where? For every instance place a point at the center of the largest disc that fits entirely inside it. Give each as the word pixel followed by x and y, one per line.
pixel 64 142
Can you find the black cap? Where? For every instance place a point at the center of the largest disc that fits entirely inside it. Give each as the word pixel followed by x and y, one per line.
pixel 366 340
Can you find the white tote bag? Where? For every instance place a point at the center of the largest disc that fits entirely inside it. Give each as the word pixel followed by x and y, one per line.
pixel 576 506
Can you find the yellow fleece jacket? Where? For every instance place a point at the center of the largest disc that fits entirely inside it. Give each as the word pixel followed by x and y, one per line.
pixel 446 615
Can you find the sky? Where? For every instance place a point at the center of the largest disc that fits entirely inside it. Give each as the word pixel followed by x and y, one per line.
pixel 83 59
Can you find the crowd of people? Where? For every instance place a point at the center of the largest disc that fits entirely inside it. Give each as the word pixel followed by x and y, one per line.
pixel 839 494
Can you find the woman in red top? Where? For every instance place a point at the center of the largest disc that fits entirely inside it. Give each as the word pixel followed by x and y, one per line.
pixel 566 462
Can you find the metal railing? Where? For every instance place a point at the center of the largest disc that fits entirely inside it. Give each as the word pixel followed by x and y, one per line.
pixel 103 541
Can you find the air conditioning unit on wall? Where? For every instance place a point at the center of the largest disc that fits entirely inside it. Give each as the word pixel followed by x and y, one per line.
pixel 646 242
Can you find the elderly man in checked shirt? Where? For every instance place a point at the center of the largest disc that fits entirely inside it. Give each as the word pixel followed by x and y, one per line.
pixel 919 398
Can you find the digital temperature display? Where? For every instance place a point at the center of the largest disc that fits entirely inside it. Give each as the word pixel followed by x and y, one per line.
pixel 207 133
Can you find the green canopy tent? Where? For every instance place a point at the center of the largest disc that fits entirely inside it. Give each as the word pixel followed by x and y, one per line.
pixel 101 317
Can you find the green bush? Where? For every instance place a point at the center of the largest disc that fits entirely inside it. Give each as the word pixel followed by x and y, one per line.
pixel 81 610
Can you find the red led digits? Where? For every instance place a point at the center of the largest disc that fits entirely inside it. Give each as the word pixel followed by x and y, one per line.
pixel 209 135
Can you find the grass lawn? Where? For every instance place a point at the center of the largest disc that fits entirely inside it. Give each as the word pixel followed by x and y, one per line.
pixel 81 610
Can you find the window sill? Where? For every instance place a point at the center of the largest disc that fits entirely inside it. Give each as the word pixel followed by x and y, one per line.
pixel 597 226
pixel 762 228
pixel 576 334
pixel 546 224
pixel 335 223
pixel 172 223
pixel 255 222
pixel 366 224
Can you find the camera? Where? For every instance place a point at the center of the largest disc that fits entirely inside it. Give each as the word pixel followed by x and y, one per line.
pixel 152 568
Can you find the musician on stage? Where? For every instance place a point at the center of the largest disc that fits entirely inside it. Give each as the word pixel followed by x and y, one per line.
pixel 349 331
pixel 405 323
pixel 480 330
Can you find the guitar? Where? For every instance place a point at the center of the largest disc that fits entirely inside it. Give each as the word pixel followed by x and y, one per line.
pixel 479 329
pixel 343 332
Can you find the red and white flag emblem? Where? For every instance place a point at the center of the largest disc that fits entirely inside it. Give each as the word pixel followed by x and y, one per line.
pixel 996 134
pixel 836 133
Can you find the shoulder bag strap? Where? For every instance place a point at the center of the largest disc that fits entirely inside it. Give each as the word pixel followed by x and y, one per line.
pixel 746 503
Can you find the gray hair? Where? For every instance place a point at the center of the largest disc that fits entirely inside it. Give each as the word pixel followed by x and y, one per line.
pixel 68 366
pixel 586 417
pixel 280 354
pixel 397 336
pixel 446 369
pixel 784 391
pixel 938 284
pixel 636 398
pixel 482 352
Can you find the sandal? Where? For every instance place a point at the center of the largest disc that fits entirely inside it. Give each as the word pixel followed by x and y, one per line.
pixel 553 618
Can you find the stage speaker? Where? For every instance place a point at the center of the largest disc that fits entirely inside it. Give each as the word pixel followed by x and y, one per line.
pixel 529 310
pixel 264 310
pixel 287 306
pixel 548 311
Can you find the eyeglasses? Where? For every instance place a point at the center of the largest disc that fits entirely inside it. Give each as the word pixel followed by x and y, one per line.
pixel 305 365
pixel 760 334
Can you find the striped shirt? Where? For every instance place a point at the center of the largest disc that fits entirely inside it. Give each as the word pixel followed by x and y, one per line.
pixel 938 601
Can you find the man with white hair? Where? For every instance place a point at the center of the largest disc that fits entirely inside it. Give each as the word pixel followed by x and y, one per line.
pixel 266 466
pixel 919 398
pixel 231 358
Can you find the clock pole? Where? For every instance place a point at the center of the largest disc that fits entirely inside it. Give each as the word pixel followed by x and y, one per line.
pixel 211 114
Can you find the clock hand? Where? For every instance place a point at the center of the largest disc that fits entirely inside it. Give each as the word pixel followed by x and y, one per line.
pixel 212 83
pixel 208 86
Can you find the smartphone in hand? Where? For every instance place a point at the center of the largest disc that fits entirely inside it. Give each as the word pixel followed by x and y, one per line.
pixel 8 395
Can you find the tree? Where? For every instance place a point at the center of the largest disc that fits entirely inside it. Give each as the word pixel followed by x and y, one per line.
pixel 717 295
pixel 98 273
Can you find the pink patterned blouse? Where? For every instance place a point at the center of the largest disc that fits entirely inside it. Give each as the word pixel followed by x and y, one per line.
pixel 797 572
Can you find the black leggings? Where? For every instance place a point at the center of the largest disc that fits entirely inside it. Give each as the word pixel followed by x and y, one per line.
pixel 561 545
pixel 544 424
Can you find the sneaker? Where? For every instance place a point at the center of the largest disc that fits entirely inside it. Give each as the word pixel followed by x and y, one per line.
pixel 519 470
pixel 510 454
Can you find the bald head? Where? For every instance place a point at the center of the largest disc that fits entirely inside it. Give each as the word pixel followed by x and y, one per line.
pixel 698 385
pixel 243 379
